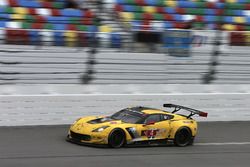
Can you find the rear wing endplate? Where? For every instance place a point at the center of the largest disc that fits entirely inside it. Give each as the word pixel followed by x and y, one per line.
pixel 191 110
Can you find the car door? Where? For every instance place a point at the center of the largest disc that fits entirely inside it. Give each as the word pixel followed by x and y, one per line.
pixel 154 127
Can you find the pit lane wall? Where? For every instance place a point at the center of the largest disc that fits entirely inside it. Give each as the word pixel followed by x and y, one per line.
pixel 50 104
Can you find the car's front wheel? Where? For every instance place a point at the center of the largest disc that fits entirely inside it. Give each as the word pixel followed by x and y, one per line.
pixel 183 137
pixel 116 138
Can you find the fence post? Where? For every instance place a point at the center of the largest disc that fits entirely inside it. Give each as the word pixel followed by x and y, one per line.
pixel 87 77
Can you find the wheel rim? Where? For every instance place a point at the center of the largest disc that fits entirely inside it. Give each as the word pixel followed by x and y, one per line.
pixel 116 139
pixel 184 137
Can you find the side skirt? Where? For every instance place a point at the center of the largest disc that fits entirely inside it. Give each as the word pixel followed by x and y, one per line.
pixel 160 142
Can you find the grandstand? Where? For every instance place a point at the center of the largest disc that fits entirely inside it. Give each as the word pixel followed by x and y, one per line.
pixel 33 21
pixel 128 42
pixel 28 21
pixel 205 14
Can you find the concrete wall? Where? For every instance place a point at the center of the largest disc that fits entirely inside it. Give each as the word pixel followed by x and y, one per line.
pixel 24 105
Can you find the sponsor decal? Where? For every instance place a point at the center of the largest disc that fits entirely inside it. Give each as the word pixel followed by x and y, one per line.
pixel 151 133
pixel 161 132
pixel 198 40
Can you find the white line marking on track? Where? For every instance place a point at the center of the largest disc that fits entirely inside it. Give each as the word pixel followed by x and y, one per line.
pixel 222 144
pixel 136 94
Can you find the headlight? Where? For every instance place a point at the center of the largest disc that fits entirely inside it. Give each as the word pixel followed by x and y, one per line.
pixel 100 129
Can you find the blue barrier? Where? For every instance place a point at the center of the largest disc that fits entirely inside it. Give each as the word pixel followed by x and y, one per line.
pixel 116 40
pixel 34 37
pixel 58 39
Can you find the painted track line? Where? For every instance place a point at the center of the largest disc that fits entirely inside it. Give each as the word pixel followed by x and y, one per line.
pixel 222 144
pixel 125 94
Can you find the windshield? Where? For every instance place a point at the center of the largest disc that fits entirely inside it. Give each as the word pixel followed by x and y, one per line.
pixel 128 116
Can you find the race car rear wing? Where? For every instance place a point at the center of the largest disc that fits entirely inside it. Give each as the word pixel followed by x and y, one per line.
pixel 191 110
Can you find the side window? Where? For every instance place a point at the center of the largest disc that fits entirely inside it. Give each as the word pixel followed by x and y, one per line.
pixel 166 117
pixel 153 118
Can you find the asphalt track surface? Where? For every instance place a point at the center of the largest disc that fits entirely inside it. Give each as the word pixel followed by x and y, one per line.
pixel 220 144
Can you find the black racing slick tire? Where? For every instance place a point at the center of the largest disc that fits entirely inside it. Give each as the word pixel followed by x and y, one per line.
pixel 116 138
pixel 183 137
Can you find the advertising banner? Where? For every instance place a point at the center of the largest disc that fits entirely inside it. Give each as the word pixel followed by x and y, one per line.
pixel 204 40
pixel 177 42
pixel 237 39
pixel 240 38
pixel 247 38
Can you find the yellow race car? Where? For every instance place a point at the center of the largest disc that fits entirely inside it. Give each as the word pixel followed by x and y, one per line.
pixel 137 126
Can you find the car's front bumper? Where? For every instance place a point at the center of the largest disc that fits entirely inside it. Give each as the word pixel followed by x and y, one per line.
pixel 85 143
pixel 89 139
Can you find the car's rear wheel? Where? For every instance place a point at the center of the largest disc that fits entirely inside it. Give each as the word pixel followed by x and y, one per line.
pixel 183 137
pixel 116 138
